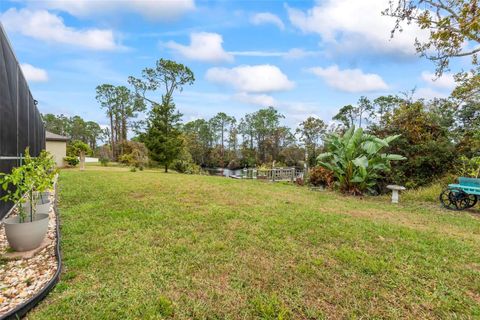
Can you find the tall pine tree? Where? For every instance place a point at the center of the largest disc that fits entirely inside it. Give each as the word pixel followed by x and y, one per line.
pixel 162 137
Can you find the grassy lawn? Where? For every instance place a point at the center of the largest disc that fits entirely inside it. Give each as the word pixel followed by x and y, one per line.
pixel 153 245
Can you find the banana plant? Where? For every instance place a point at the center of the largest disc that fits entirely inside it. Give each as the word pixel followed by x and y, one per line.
pixel 356 159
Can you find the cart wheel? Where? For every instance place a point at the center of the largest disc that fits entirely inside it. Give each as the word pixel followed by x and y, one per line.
pixel 473 200
pixel 456 199
pixel 447 200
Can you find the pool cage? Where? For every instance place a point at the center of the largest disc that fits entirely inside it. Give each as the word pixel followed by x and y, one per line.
pixel 21 124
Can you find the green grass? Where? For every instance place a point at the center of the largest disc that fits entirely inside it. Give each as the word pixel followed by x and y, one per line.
pixel 149 245
pixel 430 193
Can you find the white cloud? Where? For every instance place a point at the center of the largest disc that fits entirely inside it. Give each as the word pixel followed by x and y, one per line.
pixel 257 53
pixel 48 27
pixel 350 80
pixel 251 79
pixel 356 25
pixel 294 53
pixel 428 94
pixel 151 9
pixel 34 74
pixel 259 100
pixel 267 18
pixel 446 81
pixel 203 47
pixel 297 53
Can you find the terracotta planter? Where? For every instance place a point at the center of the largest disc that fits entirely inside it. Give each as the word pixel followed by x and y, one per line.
pixel 27 235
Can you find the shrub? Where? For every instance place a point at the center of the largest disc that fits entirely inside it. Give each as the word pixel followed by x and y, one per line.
pixel 468 167
pixel 104 161
pixel 300 182
pixel 71 161
pixel 186 167
pixel 76 147
pixel 424 141
pixel 104 152
pixel 234 164
pixel 320 176
pixel 134 154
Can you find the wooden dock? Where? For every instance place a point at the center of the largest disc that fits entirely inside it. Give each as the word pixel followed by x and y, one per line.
pixel 276 174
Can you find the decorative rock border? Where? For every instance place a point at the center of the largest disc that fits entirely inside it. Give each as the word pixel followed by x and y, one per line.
pixel 27 278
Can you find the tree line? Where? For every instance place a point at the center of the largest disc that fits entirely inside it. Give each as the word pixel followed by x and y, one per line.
pixel 432 133
pixel 257 138
pixel 76 128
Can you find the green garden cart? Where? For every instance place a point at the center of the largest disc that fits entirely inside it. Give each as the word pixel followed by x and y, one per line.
pixel 461 196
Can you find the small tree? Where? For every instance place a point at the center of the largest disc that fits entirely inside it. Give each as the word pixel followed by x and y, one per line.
pixel 34 176
pixel 80 149
pixel 17 184
pixel 311 131
pixel 163 136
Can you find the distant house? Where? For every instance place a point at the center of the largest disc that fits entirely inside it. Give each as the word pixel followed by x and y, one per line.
pixel 57 146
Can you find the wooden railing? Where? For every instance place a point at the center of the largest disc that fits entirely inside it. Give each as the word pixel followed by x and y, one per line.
pixel 276 174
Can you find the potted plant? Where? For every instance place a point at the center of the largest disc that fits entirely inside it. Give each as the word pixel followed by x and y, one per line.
pixel 43 181
pixel 28 228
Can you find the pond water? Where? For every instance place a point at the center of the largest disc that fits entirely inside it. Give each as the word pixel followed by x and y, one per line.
pixel 223 172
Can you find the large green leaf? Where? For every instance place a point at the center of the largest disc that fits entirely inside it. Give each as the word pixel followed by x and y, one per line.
pixel 324 155
pixel 371 147
pixel 348 134
pixel 381 142
pixel 358 179
pixel 361 161
pixel 393 157
pixel 353 142
pixel 379 166
pixel 391 138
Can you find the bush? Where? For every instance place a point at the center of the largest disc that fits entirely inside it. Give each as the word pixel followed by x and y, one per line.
pixel 300 182
pixel 424 141
pixel 71 161
pixel 133 159
pixel 468 167
pixel 319 176
pixel 104 152
pixel 135 154
pixel 234 164
pixel 182 166
pixel 76 147
pixel 104 161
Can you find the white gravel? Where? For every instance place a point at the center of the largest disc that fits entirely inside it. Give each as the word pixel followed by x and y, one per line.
pixel 21 279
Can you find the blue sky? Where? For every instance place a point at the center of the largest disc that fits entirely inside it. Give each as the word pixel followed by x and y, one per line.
pixel 306 58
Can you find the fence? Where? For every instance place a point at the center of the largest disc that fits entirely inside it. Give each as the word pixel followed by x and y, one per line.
pixel 277 174
pixel 21 124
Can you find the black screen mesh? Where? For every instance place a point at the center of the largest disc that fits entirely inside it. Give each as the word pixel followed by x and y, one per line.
pixel 21 125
